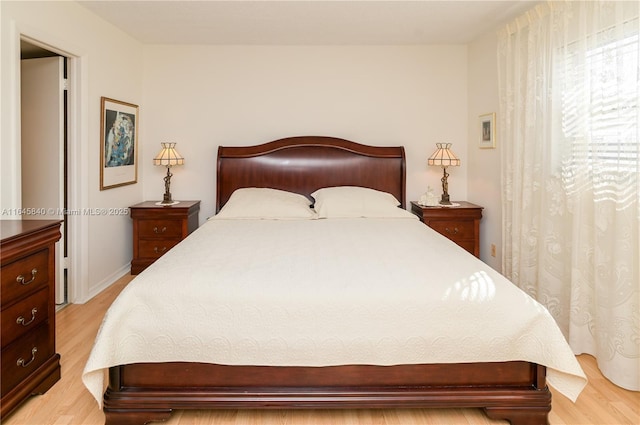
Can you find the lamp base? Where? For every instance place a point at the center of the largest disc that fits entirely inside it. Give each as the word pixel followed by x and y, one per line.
pixel 164 204
pixel 445 199
pixel 166 200
pixel 445 186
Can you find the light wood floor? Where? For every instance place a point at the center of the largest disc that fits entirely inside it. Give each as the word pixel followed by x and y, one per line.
pixel 68 403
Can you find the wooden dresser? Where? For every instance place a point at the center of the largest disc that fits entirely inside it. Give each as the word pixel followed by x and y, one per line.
pixel 30 364
pixel 156 229
pixel 461 223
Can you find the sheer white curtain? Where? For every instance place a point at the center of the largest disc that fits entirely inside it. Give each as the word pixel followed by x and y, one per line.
pixel 569 125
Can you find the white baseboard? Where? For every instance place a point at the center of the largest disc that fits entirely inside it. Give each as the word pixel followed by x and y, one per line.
pixel 106 282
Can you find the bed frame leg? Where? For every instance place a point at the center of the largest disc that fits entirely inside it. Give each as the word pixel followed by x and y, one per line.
pixel 136 417
pixel 520 416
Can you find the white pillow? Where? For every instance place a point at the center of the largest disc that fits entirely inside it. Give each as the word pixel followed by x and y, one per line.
pixel 354 201
pixel 266 203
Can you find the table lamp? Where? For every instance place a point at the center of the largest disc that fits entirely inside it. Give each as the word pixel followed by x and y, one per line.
pixel 168 157
pixel 444 158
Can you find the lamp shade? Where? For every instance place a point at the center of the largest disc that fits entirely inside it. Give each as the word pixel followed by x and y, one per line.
pixel 443 156
pixel 168 156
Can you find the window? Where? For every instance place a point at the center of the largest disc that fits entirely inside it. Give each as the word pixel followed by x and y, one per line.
pixel 600 92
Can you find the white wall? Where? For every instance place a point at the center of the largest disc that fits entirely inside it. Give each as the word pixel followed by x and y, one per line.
pixel 107 63
pixel 484 166
pixel 205 96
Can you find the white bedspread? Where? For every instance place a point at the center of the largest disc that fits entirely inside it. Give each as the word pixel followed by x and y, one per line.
pixel 326 292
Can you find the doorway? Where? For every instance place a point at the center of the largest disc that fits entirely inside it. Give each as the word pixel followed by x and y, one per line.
pixel 44 147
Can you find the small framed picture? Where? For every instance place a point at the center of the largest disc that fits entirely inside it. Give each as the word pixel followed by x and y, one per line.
pixel 487 131
pixel 118 143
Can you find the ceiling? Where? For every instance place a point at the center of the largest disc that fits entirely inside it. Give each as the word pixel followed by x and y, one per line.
pixel 306 22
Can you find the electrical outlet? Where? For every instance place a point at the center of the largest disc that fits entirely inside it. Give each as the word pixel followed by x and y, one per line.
pixel 493 250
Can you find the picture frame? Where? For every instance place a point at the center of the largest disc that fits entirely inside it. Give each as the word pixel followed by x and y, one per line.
pixel 487 139
pixel 118 143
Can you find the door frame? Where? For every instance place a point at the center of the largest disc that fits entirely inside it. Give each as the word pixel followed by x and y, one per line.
pixel 77 130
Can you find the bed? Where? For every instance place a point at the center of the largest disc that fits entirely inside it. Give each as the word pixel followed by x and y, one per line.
pixel 329 361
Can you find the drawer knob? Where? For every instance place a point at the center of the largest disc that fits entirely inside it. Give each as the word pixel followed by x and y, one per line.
pixel 21 281
pixel 23 363
pixel 451 232
pixel 20 320
pixel 158 251
pixel 155 230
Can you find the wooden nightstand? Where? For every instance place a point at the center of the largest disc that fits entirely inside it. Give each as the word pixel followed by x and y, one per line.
pixel 461 224
pixel 156 229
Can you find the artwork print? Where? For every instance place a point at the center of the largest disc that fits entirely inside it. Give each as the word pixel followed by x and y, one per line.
pixel 487 131
pixel 119 146
pixel 119 140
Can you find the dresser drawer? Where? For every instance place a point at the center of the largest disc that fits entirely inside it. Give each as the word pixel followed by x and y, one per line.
pixel 160 228
pixel 24 356
pixel 24 316
pixel 155 248
pixel 457 230
pixel 28 362
pixel 25 276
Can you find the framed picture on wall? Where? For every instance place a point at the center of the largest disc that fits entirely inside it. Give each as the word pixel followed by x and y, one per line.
pixel 487 131
pixel 118 143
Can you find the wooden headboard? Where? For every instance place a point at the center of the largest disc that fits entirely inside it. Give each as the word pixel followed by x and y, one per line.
pixel 307 163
